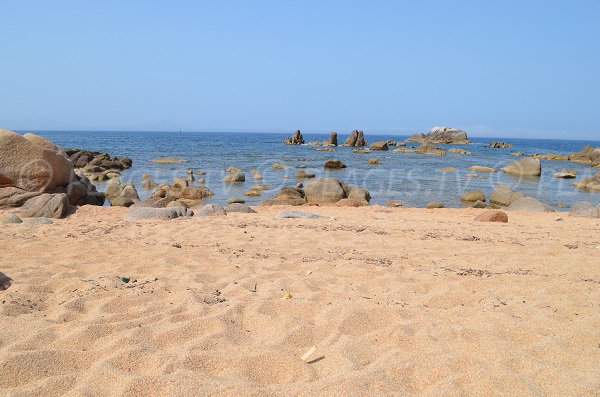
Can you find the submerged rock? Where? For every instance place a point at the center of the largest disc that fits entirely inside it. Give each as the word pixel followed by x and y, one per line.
pixel 434 204
pixel 428 148
pixel 473 196
pixel 235 177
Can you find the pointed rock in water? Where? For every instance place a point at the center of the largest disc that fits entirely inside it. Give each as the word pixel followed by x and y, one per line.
pixel 9 217
pixel 492 216
pixel 295 139
pixel 296 214
pixel 333 139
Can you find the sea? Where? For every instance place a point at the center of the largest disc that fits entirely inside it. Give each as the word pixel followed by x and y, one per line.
pixel 411 179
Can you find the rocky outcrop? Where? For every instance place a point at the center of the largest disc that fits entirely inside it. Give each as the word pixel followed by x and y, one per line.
pixel 503 195
pixel 47 205
pixel 524 167
pixel 492 216
pixel 295 139
pixel 428 148
pixel 287 196
pixel 121 195
pixel 97 166
pixel 325 191
pixel 587 155
pixel 356 138
pixel 190 195
pixel 380 145
pixel 333 139
pixel 592 183
pixel 499 145
pixel 334 164
pixel 442 135
pixel 31 166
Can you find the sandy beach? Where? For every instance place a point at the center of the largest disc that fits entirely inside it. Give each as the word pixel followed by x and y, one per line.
pixel 397 301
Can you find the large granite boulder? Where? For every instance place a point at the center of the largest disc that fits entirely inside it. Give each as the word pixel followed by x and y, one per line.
pixel 46 205
pixel 443 135
pixel 503 195
pixel 473 196
pixel 287 196
pixel 356 138
pixel 295 139
pixel 334 164
pixel 325 191
pixel 30 167
pixel 380 145
pixel 528 204
pixel 234 177
pixel 527 166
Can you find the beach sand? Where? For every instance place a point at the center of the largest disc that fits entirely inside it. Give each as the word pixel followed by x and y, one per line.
pixel 397 302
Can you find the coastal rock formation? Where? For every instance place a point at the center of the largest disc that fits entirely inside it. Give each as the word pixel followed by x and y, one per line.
pixel 404 150
pixel 149 213
pixel 503 195
pixel 566 174
pixel 333 139
pixel 235 177
pixel 473 196
pixel 492 216
pixel 47 205
pixel 97 166
pixel 334 164
pixel 121 195
pixel 380 145
pixel 324 191
pixel 442 135
pixel 458 151
pixel 295 139
pixel 528 204
pixel 190 195
pixel 499 145
pixel 287 196
pixel 30 166
pixel 428 148
pixel 356 138
pixel 587 155
pixel 591 183
pixel 524 167
pixel 584 209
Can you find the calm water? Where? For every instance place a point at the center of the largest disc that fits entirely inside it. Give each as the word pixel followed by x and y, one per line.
pixel 412 179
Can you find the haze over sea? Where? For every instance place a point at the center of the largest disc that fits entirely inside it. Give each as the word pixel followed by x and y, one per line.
pixel 411 179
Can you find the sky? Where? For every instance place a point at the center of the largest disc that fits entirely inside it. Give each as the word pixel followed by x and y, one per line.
pixel 527 69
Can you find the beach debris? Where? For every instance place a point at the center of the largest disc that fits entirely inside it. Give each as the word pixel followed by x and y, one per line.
pixel 308 273
pixel 254 289
pixel 287 295
pixel 125 279
pixel 308 353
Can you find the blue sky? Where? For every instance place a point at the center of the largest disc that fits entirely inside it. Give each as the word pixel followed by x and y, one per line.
pixel 493 68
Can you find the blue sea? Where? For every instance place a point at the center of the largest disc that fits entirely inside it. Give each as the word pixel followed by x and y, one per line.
pixel 412 179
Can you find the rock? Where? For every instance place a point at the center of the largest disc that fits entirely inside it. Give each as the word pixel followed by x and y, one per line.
pixel 334 164
pixel 295 139
pixel 14 197
pixel 238 207
pixel 233 200
pixel 492 216
pixel 478 204
pixel 448 169
pixel 149 184
pixel 252 193
pixel 296 214
pixel 499 145
pixel 458 151
pixel 5 281
pixel 31 167
pixel 287 196
pixel 404 150
pixel 380 145
pixel 303 174
pixel 256 176
pixel 278 166
pixel 361 150
pixel 235 177
pixel 47 205
pixel 180 183
pixel 259 187
pixel 591 183
pixel 325 149
pixel 323 191
pixel 333 139
pixel 588 155
pixel 360 194
pixel 356 138
pixel 121 201
pixel 527 166
pixel 394 204
pixel 443 135
pixel 478 168
pixel 146 176
pixel 428 148
pixel 233 169
pixel 211 210
pixel 434 204
pixel 584 209
pixel 176 203
pixel 503 195
pixel 528 204
pixel 142 213
pixel 129 191
pixel 169 160
pixel 9 217
pixel 567 174
pixel 37 221
pixel 373 161
pixel 473 196
pixel 350 202
pixel 41 141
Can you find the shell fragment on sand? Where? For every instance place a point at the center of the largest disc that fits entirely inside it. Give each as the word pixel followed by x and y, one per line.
pixel 308 353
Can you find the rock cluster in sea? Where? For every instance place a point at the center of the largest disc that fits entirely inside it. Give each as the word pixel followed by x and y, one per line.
pixel 441 135
pixel 295 139
pixel 39 178
pixel 321 191
pixel 98 166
